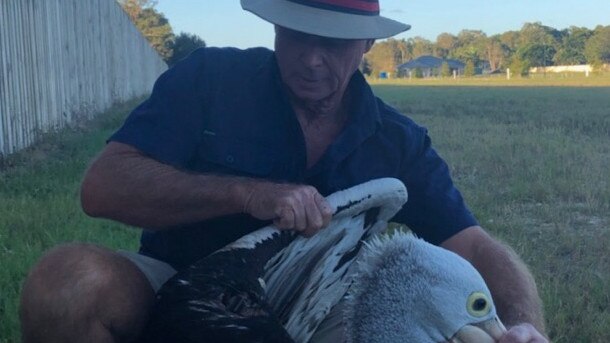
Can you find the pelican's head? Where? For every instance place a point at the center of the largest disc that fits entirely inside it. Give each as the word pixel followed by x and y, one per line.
pixel 408 290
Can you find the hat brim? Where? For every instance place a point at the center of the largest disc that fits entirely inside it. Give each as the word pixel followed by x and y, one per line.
pixel 323 23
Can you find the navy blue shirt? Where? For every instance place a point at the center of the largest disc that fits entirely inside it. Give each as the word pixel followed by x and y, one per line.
pixel 224 111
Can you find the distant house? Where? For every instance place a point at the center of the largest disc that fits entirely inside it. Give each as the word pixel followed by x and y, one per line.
pixel 430 66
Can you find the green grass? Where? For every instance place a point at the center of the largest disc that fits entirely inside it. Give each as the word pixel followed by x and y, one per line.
pixel 598 79
pixel 534 165
pixel 532 162
pixel 39 207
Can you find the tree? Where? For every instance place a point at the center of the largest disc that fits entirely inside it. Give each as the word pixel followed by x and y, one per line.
pixel 469 70
pixel 133 8
pixel 156 28
pixel 572 50
pixel 534 45
pixel 152 24
pixel 519 66
pixel 469 53
pixel 445 70
pixel 471 38
pixel 388 55
pixel 510 40
pixel 539 44
pixel 183 45
pixel 445 44
pixel 597 48
pixel 471 46
pixel 381 58
pixel 495 52
pixel 537 55
pixel 402 52
pixel 536 33
pixel 421 46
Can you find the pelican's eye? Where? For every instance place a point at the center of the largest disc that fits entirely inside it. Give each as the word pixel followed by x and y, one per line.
pixel 478 304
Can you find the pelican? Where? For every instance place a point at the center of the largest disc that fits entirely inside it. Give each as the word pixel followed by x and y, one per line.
pixel 276 286
pixel 407 290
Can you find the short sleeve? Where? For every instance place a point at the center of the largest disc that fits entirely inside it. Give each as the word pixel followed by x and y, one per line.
pixel 167 126
pixel 435 210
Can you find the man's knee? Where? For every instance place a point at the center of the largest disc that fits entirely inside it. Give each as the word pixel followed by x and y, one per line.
pixel 77 288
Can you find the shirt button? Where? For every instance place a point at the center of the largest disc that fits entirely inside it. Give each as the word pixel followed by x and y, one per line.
pixel 230 159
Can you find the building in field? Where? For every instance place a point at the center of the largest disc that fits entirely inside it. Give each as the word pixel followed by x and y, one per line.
pixel 429 66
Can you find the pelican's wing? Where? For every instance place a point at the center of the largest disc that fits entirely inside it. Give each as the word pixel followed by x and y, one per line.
pixel 220 298
pixel 223 297
pixel 307 278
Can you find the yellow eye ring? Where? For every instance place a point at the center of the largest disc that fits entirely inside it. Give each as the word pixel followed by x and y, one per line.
pixel 479 304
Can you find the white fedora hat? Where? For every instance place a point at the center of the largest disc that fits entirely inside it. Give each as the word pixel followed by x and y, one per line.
pixel 346 19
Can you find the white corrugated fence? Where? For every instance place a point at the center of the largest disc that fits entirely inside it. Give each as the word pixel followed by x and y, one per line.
pixel 66 60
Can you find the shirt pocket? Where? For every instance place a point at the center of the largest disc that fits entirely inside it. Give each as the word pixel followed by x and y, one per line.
pixel 235 156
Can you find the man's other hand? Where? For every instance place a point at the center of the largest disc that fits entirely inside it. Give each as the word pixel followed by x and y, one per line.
pixel 523 333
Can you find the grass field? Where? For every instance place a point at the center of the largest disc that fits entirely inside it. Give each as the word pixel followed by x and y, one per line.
pixel 534 165
pixel 532 162
pixel 598 79
pixel 39 207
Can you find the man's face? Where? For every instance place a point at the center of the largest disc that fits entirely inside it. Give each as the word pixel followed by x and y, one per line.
pixel 314 67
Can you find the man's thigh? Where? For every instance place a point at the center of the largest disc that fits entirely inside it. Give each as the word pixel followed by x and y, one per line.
pixel 157 272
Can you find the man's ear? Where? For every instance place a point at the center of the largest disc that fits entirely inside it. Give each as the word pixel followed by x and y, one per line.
pixel 369 45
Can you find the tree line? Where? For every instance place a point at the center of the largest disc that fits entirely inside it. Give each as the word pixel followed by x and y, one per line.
pixel 155 27
pixel 535 45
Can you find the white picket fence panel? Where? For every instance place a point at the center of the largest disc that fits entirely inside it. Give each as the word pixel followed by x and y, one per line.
pixel 66 60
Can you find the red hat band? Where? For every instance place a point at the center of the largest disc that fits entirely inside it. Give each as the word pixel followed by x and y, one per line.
pixel 362 7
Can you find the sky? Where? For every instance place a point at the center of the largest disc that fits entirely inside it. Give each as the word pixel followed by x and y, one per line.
pixel 224 23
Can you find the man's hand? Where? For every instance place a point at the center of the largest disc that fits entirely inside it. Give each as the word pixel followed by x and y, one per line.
pixel 291 207
pixel 523 333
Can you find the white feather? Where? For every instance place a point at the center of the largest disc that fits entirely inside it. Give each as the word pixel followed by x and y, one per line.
pixel 250 241
pixel 317 262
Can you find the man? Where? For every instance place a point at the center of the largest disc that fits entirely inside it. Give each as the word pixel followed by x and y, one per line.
pixel 230 140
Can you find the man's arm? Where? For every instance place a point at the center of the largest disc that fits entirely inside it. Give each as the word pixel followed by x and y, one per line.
pixel 125 185
pixel 509 281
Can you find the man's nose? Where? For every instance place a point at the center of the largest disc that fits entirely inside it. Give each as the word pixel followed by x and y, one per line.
pixel 313 57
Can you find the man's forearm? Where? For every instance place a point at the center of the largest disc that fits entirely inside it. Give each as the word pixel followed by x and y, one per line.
pixel 126 186
pixel 511 284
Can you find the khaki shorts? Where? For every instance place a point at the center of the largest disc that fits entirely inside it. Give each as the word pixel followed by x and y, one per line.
pixel 157 272
pixel 331 330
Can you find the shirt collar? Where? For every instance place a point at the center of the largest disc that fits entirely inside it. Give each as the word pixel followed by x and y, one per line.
pixel 364 118
pixel 363 122
pixel 364 112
